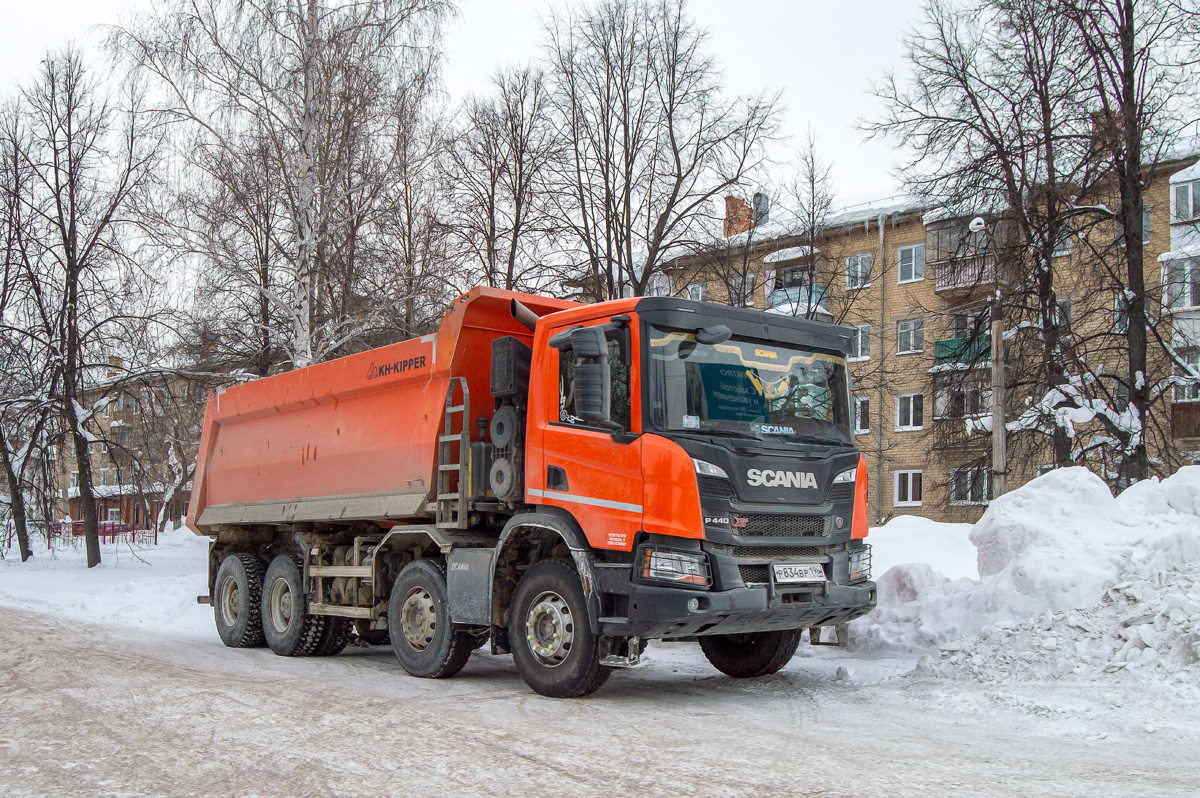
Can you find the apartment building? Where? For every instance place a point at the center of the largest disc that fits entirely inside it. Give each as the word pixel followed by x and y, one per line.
pixel 917 287
pixel 143 435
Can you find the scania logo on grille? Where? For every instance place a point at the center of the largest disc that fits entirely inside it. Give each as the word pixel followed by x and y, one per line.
pixel 781 479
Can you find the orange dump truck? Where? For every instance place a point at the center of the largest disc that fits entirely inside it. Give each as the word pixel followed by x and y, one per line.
pixel 564 482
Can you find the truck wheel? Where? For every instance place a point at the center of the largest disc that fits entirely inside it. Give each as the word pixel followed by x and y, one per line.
pixel 335 637
pixel 554 648
pixel 426 643
pixel 289 629
pixel 237 601
pixel 752 653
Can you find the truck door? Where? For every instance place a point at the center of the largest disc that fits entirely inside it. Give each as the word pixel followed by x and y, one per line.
pixel 585 470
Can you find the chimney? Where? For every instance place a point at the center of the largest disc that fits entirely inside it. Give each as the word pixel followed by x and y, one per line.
pixel 739 218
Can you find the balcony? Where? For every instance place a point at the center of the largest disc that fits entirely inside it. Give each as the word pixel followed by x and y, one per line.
pixel 966 273
pixel 963 352
pixel 951 433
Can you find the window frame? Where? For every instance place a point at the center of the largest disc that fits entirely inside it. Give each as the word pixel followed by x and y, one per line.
pixel 858 344
pixel 1193 209
pixel 970 472
pixel 1189 284
pixel 908 475
pixel 859 401
pixel 910 427
pixel 621 334
pixel 1180 392
pixel 918 327
pixel 701 289
pixel 1119 229
pixel 912 248
pixel 858 272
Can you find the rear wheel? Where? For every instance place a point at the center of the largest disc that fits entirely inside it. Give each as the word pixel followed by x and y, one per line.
pixel 750 654
pixel 237 600
pixel 553 646
pixel 335 637
pixel 289 629
pixel 425 642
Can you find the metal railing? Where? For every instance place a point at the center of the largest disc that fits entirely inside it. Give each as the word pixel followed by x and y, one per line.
pixel 966 272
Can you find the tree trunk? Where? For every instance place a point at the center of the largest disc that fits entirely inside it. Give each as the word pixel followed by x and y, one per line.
pixel 16 501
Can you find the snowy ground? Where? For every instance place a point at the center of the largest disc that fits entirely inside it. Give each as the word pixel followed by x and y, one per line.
pixel 1036 676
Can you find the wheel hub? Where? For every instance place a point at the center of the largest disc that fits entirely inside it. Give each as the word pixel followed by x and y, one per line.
pixel 230 596
pixel 281 605
pixel 418 618
pixel 550 629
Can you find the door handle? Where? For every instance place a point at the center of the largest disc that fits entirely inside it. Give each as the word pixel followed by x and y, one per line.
pixel 556 478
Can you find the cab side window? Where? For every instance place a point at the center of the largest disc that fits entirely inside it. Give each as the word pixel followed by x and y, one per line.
pixel 620 402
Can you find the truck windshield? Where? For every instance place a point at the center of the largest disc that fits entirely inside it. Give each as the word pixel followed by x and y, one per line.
pixel 748 388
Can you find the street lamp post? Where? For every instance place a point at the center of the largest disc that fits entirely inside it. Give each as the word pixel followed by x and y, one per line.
pixel 999 433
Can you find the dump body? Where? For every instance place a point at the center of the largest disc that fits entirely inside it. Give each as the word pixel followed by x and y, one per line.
pixel 353 438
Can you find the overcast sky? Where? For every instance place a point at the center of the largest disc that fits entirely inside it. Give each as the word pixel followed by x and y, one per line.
pixel 822 55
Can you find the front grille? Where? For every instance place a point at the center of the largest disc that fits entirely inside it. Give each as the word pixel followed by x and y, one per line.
pixel 754 573
pixel 716 487
pixel 780 526
pixel 841 492
pixel 773 551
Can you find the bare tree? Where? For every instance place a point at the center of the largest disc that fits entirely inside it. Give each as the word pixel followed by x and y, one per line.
pixel 996 127
pixel 327 99
pixel 87 156
pixel 650 139
pixel 500 162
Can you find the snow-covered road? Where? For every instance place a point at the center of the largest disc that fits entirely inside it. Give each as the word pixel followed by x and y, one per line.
pixel 87 709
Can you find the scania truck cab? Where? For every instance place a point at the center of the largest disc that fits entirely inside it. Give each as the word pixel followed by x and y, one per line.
pixel 565 482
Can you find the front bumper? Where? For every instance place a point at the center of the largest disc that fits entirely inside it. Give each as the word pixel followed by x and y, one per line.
pixel 666 612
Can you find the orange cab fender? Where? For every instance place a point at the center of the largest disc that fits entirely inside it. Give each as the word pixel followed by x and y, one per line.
pixel 539 532
pixel 858 523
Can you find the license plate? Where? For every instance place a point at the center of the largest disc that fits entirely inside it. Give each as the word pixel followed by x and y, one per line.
pixel 798 572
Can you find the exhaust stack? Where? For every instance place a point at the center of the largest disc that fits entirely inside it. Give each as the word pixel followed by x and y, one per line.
pixel 524 314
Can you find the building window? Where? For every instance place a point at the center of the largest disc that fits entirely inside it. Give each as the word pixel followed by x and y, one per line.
pixel 910 411
pixel 1189 392
pixel 912 263
pixel 911 336
pixel 966 326
pixel 1120 228
pixel 660 285
pixel 114 515
pixel 1187 201
pixel 1120 315
pixel 858 271
pixel 962 400
pixel 972 485
pixel 748 284
pixel 697 292
pixel 1062 315
pixel 860 347
pixel 862 414
pixel 1062 246
pixel 1183 284
pixel 955 240
pixel 74 479
pixel 907 488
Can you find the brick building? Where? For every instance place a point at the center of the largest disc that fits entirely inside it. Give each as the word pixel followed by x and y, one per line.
pixel 917 285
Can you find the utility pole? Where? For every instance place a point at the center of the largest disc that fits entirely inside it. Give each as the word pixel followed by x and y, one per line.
pixel 999 433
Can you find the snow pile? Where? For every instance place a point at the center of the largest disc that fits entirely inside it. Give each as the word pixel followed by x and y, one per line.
pixel 146 586
pixel 1150 624
pixel 913 539
pixel 1054 545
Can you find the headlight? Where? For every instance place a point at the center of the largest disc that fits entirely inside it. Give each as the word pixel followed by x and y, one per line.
pixel 860 563
pixel 688 568
pixel 708 469
pixel 846 476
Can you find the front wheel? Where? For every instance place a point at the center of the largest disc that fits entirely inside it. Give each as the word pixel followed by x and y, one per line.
pixel 750 654
pixel 552 644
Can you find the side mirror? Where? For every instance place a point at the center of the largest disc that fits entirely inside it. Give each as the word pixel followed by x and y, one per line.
pixel 716 334
pixel 592 392
pixel 588 342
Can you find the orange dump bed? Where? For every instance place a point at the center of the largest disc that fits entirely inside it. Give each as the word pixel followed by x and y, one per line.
pixel 353 438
